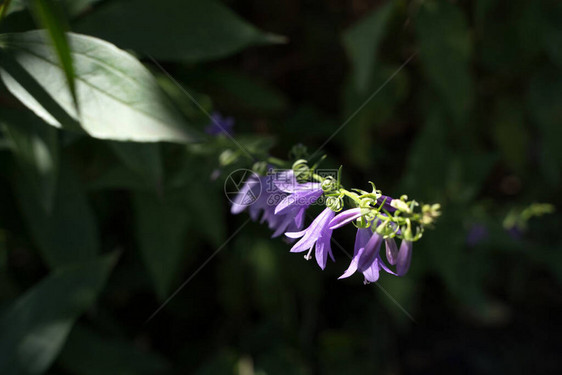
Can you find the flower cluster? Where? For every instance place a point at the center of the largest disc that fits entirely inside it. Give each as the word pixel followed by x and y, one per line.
pixel 281 198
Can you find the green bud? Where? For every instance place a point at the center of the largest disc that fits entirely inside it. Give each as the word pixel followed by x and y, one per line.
pixel 228 157
pixel 334 203
pixel 301 169
pixel 329 184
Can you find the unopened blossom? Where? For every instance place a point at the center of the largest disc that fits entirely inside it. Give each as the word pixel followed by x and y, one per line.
pixel 404 258
pixel 366 258
pixel 391 251
pixel 318 235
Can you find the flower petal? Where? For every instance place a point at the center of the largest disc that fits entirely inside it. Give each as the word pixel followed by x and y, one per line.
pixel 345 217
pixel 371 274
pixel 353 265
pixel 371 252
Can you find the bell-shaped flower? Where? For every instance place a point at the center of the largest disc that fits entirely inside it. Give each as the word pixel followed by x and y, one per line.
pixel 319 234
pixel 366 258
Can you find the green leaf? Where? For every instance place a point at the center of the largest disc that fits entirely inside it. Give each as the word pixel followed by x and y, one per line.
pixel 161 229
pixel 428 161
pixel 545 105
pixel 362 41
pixel 118 98
pixel 144 159
pixel 553 32
pixel 35 327
pixel 49 15
pixel 36 150
pixel 88 353
pixel 445 51
pixel 238 92
pixel 174 30
pixel 66 234
pixel 359 132
pixel 510 134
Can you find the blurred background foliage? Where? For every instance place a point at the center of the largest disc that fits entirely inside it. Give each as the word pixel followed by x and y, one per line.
pixel 457 102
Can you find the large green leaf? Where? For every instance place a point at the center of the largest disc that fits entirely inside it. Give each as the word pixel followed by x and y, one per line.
pixel 175 30
pixel 35 327
pixel 88 353
pixel 68 232
pixel 445 50
pixel 161 234
pixel 362 41
pixel 36 150
pixel 118 97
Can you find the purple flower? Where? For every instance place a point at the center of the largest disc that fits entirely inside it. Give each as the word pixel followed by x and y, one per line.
pixel 404 258
pixel 319 234
pixel 248 195
pixel 366 258
pixel 260 195
pixel 476 234
pixel 346 217
pixel 220 125
pixel 299 196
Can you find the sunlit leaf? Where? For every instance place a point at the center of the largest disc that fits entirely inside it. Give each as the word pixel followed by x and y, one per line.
pixel 118 98
pixel 35 327
pixel 51 18
pixel 176 30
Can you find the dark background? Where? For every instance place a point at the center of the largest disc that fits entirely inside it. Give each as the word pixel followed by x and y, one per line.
pixel 473 121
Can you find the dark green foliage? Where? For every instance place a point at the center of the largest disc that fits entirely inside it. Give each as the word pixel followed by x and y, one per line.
pixel 111 193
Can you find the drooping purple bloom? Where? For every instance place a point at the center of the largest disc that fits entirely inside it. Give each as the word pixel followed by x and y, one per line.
pixel 404 258
pixel 260 195
pixel 366 256
pixel 319 234
pixel 345 217
pixel 299 196
pixel 248 195
pixel 220 125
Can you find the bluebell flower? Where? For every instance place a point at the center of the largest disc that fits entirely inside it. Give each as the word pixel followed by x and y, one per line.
pixel 319 234
pixel 299 196
pixel 220 125
pixel 248 195
pixel 366 256
pixel 260 196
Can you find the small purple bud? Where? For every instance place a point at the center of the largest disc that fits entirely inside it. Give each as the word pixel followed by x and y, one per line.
pixel 404 258
pixel 391 251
